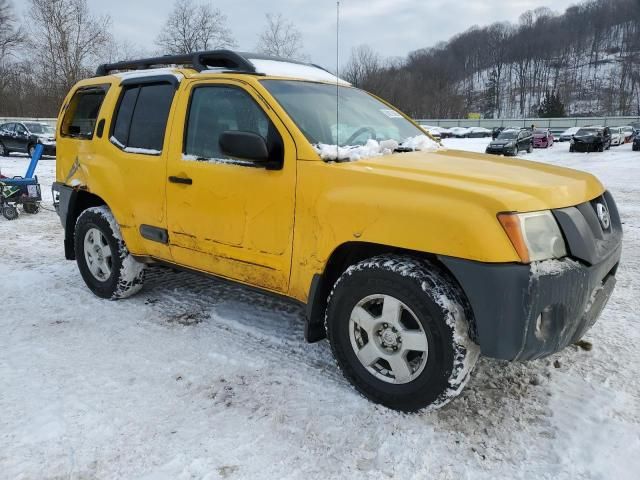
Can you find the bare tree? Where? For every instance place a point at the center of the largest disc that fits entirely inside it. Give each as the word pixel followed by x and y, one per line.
pixel 280 38
pixel 67 39
pixel 191 28
pixel 363 65
pixel 11 35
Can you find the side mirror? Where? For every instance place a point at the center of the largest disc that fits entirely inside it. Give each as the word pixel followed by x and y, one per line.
pixel 245 146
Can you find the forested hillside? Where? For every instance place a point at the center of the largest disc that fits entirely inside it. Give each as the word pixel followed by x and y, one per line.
pixel 589 56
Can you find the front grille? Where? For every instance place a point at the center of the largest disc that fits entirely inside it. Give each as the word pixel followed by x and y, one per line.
pixel 589 238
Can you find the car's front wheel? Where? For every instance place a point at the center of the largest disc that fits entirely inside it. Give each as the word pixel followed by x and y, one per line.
pixel 103 259
pixel 399 330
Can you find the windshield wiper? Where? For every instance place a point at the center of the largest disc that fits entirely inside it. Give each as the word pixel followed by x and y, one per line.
pixel 403 150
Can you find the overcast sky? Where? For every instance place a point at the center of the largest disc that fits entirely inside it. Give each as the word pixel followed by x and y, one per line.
pixel 392 27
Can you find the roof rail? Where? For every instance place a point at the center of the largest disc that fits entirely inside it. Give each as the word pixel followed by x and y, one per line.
pixel 199 61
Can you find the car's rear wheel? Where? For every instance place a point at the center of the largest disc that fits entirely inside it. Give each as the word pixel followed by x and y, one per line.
pixel 104 262
pixel 30 150
pixel 399 330
pixel 3 150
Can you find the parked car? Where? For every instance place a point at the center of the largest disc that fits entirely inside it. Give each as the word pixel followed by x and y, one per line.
pixel 542 138
pixel 478 132
pixel 568 134
pixel 219 167
pixel 617 136
pixel 591 139
pixel 629 133
pixel 23 137
pixel 459 132
pixel 511 141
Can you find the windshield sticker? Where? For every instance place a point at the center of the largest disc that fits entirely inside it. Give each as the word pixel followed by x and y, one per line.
pixel 390 113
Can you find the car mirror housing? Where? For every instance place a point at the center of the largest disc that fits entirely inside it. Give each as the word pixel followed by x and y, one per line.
pixel 244 146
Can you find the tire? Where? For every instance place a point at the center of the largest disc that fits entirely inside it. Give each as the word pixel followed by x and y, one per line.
pixel 10 212
pixel 530 148
pixel 31 207
pixel 3 150
pixel 102 256
pixel 433 316
pixel 30 150
pixel 601 148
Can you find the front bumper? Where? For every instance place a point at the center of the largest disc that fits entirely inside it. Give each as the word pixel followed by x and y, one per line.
pixel 586 147
pixel 49 149
pixel 500 151
pixel 523 312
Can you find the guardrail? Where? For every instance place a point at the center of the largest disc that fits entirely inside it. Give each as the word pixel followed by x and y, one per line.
pixel 551 123
pixel 48 121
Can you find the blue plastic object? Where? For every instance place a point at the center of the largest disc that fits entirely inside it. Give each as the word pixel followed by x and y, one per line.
pixel 37 155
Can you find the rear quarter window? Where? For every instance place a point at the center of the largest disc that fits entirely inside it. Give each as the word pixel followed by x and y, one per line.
pixel 141 118
pixel 82 112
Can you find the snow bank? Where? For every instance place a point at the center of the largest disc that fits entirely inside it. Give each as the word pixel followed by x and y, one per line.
pixel 373 148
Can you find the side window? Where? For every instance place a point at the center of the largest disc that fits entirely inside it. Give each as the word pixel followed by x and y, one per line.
pixel 7 128
pixel 20 129
pixel 82 113
pixel 217 109
pixel 142 116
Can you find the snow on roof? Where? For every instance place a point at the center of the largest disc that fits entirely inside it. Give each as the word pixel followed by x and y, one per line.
pixel 294 70
pixel 151 72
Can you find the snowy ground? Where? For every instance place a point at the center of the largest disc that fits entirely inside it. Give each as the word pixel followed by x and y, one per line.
pixel 194 378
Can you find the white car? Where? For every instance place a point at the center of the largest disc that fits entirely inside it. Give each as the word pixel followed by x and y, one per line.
pixel 617 136
pixel 568 134
pixel 628 133
pixel 459 132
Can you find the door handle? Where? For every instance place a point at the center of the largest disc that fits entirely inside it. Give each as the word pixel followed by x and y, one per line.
pixel 181 180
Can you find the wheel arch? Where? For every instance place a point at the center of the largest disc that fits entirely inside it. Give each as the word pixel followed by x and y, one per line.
pixel 78 202
pixel 343 257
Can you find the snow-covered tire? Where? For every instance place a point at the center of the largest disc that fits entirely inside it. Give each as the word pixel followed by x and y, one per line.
pixel 123 276
pixel 3 150
pixel 431 298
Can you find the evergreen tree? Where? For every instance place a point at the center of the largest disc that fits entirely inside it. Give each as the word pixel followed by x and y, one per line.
pixel 552 106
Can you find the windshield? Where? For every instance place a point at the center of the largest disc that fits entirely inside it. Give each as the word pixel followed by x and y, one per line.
pixel 540 132
pixel 587 131
pixel 38 128
pixel 508 135
pixel 312 106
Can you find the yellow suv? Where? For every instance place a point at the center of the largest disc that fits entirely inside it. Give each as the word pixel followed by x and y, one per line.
pixel 411 258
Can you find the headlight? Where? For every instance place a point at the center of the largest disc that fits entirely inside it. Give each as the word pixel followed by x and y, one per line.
pixel 535 236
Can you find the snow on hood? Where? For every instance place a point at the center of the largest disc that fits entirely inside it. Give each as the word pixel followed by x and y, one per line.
pixel 373 148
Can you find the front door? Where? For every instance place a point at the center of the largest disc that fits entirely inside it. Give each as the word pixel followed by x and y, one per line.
pixel 227 216
pixel 21 138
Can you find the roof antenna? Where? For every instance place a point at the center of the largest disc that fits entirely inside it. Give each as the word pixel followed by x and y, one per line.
pixel 337 81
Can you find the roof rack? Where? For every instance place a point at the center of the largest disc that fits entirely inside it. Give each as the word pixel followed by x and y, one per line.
pixel 199 61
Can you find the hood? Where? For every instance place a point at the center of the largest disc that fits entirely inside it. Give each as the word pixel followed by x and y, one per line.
pixel 502 141
pixel 587 138
pixel 503 184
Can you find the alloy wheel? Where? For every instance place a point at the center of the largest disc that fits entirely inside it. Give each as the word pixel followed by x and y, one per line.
pixel 388 339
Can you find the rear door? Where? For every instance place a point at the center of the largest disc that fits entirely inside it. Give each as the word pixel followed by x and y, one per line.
pixel 226 216
pixel 138 147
